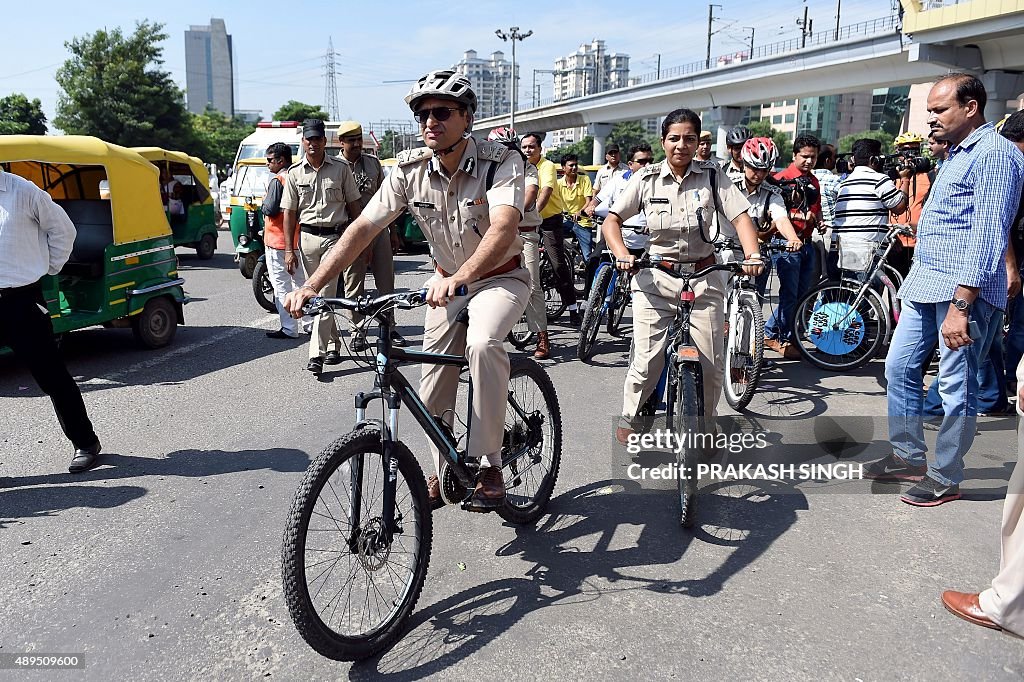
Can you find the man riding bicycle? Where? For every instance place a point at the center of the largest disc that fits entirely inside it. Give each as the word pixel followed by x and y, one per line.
pixel 468 199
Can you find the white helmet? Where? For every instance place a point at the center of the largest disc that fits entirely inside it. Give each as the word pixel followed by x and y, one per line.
pixel 446 84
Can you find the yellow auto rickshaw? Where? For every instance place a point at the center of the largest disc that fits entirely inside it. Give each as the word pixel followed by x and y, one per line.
pixel 122 271
pixel 185 192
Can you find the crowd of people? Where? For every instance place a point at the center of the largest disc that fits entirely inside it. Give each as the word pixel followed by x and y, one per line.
pixel 485 207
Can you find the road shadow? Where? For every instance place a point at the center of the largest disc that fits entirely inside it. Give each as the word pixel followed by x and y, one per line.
pixel 51 500
pixel 188 261
pixel 562 573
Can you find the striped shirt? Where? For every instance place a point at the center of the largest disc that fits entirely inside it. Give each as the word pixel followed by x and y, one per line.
pixel 36 235
pixel 962 235
pixel 864 201
pixel 829 182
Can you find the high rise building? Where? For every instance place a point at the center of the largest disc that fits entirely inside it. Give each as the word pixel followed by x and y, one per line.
pixel 587 71
pixel 209 68
pixel 491 79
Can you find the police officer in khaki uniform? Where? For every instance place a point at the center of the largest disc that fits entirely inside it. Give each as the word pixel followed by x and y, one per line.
pixel 320 194
pixel 468 199
pixel 380 256
pixel 675 196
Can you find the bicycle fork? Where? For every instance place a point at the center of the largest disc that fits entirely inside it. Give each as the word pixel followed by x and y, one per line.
pixel 389 433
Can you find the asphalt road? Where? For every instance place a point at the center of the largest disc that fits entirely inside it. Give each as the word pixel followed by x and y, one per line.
pixel 164 563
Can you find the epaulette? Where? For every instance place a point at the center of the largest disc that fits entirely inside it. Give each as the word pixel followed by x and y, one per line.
pixel 650 169
pixel 707 164
pixel 492 151
pixel 772 189
pixel 409 156
pixel 296 164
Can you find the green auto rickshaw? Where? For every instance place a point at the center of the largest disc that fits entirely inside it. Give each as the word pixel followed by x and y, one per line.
pixel 185 192
pixel 122 271
pixel 246 221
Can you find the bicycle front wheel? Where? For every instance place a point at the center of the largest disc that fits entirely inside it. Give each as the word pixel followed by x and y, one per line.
pixel 349 581
pixel 744 350
pixel 531 449
pixel 689 419
pixel 520 335
pixel 836 328
pixel 620 300
pixel 591 321
pixel 554 306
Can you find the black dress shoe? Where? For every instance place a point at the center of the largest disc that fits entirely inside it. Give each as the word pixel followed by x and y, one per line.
pixel 316 365
pixel 574 318
pixel 85 458
pixel 281 334
pixel 358 344
pixel 333 357
pixel 398 340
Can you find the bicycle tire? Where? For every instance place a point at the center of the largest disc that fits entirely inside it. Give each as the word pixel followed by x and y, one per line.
pixel 412 509
pixel 520 336
pixel 744 354
pixel 579 269
pixel 527 489
pixel 621 298
pixel 891 281
pixel 824 323
pixel 262 289
pixel 591 321
pixel 554 306
pixel 688 419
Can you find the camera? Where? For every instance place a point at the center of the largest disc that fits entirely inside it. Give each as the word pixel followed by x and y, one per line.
pixel 799 193
pixel 894 163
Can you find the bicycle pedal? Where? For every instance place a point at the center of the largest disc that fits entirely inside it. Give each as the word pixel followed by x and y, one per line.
pixel 469 505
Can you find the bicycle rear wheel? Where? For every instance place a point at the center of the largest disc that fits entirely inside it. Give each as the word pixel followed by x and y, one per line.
pixel 835 331
pixel 531 449
pixel 620 300
pixel 350 588
pixel 591 321
pixel 689 419
pixel 520 335
pixel 554 306
pixel 744 350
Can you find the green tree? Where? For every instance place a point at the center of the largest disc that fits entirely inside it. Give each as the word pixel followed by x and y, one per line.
pixel 584 149
pixel 19 116
pixel 628 134
pixel 299 111
pixel 846 142
pixel 781 140
pixel 113 87
pixel 216 136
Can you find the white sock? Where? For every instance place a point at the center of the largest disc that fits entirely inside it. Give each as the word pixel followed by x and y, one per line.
pixel 574 306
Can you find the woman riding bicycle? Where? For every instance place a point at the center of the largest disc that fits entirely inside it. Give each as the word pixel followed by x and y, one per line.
pixel 683 200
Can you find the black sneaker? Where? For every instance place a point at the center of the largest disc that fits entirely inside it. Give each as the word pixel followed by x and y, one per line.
pixel 894 469
pixel 358 344
pixel 930 493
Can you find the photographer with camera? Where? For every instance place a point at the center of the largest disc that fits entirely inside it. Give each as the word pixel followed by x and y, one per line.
pixel 913 177
pixel 796 270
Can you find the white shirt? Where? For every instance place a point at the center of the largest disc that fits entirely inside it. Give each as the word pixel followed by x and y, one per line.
pixel 634 238
pixel 36 235
pixel 606 172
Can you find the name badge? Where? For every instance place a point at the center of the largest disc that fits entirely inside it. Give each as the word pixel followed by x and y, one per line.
pixel 658 200
pixel 423 204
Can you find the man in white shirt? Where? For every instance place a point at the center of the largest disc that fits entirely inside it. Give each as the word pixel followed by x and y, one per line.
pixel 612 169
pixel 36 238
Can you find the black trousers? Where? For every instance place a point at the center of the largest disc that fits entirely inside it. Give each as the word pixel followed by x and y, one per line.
pixel 552 236
pixel 25 327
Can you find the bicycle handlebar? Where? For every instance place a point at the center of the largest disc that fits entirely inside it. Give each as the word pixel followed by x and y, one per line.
pixel 371 306
pixel 660 263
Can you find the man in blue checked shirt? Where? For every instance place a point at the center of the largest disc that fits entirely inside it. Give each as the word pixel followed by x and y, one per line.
pixel 955 286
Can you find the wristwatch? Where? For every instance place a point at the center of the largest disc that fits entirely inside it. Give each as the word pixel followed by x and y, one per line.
pixel 960 304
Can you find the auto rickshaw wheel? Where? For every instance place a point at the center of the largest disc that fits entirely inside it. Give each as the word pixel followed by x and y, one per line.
pixel 206 246
pixel 247 264
pixel 262 288
pixel 156 325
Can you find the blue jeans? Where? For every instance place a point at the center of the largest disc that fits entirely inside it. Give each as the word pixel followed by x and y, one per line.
pixel 912 344
pixel 585 235
pixel 991 383
pixel 796 274
pixel 1014 337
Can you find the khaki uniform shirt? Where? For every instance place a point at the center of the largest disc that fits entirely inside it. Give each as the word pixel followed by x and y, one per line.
pixel 319 196
pixel 605 173
pixel 671 207
pixel 368 175
pixel 453 212
pixel 531 217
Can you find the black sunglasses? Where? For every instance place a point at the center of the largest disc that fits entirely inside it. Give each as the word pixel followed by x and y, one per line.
pixel 643 162
pixel 436 113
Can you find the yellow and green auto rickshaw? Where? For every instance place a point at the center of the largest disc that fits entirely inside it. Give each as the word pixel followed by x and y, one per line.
pixel 246 221
pixel 185 192
pixel 122 271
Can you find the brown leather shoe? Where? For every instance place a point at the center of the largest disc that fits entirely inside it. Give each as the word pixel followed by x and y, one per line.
pixel 622 435
pixel 490 490
pixel 965 605
pixel 543 347
pixel 434 493
pixel 790 352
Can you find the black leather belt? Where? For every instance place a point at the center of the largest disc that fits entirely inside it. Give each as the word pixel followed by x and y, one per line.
pixel 321 231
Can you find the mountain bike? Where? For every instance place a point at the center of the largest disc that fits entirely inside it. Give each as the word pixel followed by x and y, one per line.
pixel 842 324
pixel 744 341
pixel 358 535
pixel 682 382
pixel 609 296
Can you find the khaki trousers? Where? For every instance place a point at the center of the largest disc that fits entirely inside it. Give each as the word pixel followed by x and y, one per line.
pixel 325 330
pixel 536 313
pixel 1004 601
pixel 655 301
pixel 495 305
pixel 382 264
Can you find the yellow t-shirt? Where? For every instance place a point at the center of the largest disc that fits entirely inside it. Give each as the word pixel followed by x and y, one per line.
pixel 575 198
pixel 547 174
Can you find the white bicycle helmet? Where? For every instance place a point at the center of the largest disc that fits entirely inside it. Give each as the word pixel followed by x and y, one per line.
pixel 759 153
pixel 446 84
pixel 503 134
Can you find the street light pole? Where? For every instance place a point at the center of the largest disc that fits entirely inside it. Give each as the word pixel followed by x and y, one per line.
pixel 513 35
pixel 711 17
pixel 751 29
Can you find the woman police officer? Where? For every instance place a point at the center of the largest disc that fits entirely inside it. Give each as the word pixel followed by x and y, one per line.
pixel 676 198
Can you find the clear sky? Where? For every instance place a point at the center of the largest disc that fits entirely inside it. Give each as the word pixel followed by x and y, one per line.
pixel 279 46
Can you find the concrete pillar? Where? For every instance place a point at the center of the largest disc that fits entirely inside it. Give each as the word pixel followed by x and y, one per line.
pixel 600 131
pixel 721 120
pixel 1000 86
